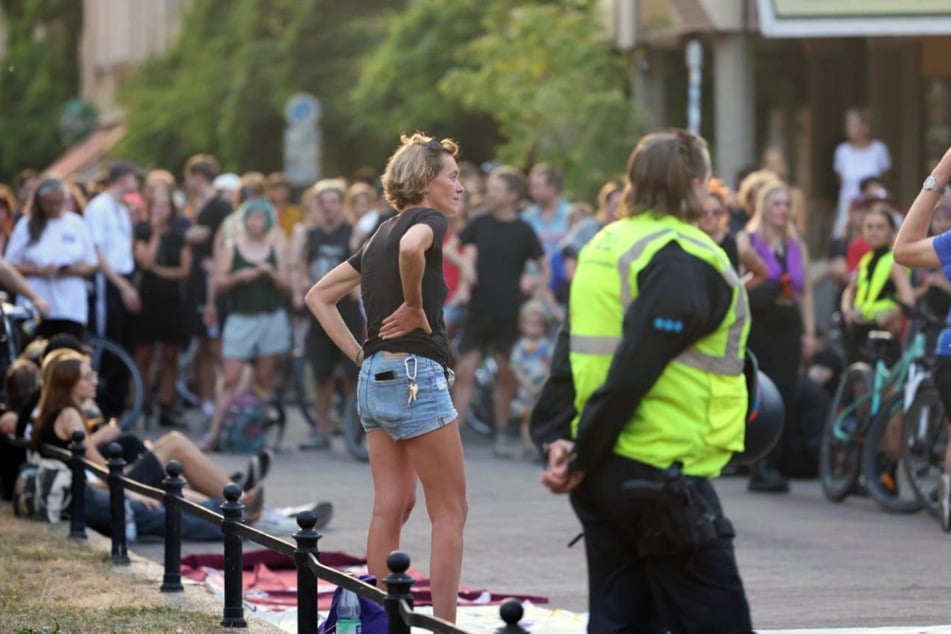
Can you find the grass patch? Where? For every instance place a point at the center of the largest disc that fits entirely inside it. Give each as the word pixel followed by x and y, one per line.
pixel 55 585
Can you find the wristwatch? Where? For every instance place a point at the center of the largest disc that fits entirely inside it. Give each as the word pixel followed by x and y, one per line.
pixel 931 184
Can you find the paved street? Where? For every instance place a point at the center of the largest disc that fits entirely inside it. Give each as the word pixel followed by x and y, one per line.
pixel 807 563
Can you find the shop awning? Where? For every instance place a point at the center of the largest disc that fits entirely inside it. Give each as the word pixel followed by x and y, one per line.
pixel 854 18
pixel 83 158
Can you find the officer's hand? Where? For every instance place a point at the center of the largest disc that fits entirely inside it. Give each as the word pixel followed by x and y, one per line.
pixel 558 477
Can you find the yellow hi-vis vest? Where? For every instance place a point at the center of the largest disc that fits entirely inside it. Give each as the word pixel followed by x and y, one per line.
pixel 696 411
pixel 869 285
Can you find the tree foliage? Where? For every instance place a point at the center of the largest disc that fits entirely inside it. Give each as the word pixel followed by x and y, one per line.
pixel 547 75
pixel 223 85
pixel 38 75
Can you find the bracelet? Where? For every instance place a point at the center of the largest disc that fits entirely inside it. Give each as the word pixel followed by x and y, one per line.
pixel 358 358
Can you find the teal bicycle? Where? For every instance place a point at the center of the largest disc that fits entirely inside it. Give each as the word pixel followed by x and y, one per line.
pixel 862 437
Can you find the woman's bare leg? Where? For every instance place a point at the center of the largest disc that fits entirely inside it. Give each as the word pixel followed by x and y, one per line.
pixel 394 495
pixel 168 374
pixel 200 471
pixel 438 460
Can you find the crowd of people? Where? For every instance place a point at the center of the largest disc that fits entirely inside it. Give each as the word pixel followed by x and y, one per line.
pixel 404 284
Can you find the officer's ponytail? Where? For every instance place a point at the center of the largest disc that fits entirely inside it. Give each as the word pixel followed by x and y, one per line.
pixel 662 175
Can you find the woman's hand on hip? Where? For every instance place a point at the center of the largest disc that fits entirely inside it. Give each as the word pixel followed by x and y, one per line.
pixel 405 320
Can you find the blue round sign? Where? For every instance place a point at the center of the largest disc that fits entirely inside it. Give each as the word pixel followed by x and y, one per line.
pixel 302 108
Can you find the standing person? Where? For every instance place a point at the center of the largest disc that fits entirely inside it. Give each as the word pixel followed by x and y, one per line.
pixel 327 246
pixel 609 200
pixel 783 331
pixel 549 215
pixel 858 157
pixel 914 248
pixel 117 300
pixel 641 357
pixel 201 172
pixel 53 249
pixel 254 272
pixel 402 390
pixel 164 259
pixel 531 358
pixel 7 209
pixel 497 246
pixel 279 195
pixel 360 210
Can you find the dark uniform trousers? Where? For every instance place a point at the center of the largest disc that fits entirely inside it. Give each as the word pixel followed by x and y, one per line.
pixel 696 591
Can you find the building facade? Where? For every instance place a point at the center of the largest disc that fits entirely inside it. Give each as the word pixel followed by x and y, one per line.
pixel 781 73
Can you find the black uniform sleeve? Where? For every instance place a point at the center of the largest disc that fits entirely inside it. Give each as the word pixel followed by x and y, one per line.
pixel 681 299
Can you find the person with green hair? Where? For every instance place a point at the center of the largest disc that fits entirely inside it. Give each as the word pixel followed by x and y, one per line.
pixel 253 269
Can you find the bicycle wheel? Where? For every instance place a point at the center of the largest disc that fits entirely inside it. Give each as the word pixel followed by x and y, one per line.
pixel 106 350
pixel 481 415
pixel 885 480
pixel 840 453
pixel 353 433
pixel 924 440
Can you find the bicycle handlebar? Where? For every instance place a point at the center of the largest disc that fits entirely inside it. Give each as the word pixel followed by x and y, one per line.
pixel 913 313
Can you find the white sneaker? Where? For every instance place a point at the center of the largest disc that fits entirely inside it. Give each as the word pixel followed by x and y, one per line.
pixel 944 501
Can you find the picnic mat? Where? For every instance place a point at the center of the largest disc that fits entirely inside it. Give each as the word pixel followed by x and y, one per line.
pixel 270 580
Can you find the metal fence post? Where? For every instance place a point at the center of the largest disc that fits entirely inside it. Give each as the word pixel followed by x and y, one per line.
pixel 77 518
pixel 120 553
pixel 307 539
pixel 172 580
pixel 232 510
pixel 398 585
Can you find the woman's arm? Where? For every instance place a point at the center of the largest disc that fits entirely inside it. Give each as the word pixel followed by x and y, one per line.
pixel 225 279
pixel 179 272
pixel 69 421
pixel 899 276
pixel 847 303
pixel 754 271
pixel 322 300
pixel 410 315
pixel 913 247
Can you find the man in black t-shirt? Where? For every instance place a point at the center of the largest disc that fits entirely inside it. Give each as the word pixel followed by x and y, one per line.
pixel 212 209
pixel 327 245
pixel 497 246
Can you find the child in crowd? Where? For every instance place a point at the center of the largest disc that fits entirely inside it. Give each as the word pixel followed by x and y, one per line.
pixel 530 361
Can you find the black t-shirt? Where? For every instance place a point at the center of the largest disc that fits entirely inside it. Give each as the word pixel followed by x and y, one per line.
pixel 728 244
pixel 169 253
pixel 324 252
pixel 503 249
pixel 211 216
pixel 379 265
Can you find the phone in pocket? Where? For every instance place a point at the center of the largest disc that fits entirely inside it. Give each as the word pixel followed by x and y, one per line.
pixel 389 375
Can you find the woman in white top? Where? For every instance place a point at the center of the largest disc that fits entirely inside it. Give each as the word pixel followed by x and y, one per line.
pixel 860 156
pixel 53 249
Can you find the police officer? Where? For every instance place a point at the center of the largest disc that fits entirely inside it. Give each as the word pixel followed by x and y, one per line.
pixel 659 321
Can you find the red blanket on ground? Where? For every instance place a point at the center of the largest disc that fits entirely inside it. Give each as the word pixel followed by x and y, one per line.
pixel 270 580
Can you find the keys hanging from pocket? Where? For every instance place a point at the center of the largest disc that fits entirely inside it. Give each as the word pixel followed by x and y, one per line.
pixel 411 375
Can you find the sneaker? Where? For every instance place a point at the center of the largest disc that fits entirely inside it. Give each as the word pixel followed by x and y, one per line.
pixel 258 468
pixel 505 447
pixel 315 440
pixel 944 501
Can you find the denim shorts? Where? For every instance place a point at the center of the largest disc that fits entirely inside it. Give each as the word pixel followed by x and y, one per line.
pixel 383 395
pixel 247 337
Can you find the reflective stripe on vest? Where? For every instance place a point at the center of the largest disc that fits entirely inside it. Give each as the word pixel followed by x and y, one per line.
pixel 730 363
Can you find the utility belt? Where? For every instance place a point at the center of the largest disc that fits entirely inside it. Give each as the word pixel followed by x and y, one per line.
pixel 680 513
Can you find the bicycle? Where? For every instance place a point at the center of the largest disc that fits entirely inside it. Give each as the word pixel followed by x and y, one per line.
pixel 868 397
pixel 924 441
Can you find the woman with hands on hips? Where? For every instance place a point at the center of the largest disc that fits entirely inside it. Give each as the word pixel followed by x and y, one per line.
pixel 403 387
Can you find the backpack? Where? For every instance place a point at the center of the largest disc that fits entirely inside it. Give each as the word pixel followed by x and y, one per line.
pixel 243 425
pixel 43 491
